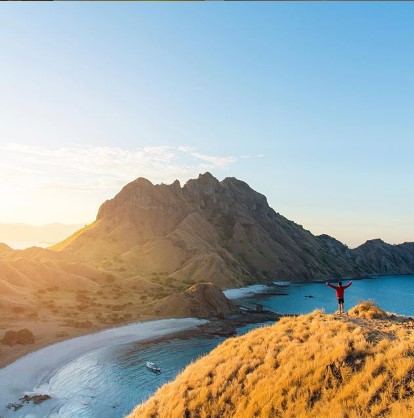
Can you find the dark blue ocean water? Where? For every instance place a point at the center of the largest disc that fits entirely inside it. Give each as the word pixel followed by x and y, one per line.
pixel 391 293
pixel 110 382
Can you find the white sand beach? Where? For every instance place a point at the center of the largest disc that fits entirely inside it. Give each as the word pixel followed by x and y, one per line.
pixel 245 291
pixel 31 373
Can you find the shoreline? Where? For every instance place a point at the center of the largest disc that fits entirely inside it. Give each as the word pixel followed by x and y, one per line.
pixel 48 335
pixel 30 373
pixel 48 332
pixel 25 374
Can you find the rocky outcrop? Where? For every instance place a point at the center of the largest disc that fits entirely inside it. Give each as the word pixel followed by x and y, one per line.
pixel 36 399
pixel 203 300
pixel 223 232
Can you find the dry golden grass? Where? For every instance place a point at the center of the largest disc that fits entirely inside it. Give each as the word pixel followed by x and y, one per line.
pixel 367 309
pixel 315 365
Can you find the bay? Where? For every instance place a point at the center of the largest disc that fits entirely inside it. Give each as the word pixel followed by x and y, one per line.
pixel 111 381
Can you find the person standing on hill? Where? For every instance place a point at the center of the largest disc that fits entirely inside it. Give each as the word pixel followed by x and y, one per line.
pixel 340 290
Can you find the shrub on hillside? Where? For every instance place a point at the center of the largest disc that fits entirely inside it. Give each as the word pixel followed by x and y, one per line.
pixel 368 310
pixel 23 336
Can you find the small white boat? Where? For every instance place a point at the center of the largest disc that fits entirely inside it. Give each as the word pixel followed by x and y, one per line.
pixel 152 366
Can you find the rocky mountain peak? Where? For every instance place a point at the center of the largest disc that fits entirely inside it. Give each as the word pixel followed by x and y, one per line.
pixel 141 181
pixel 207 178
pixel 375 243
pixel 244 194
pixel 140 195
pixel 223 232
pixel 205 183
pixel 205 191
pixel 176 185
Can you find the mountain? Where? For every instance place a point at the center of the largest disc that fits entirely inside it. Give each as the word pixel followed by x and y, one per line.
pixel 151 248
pixel 310 366
pixel 220 232
pixel 386 258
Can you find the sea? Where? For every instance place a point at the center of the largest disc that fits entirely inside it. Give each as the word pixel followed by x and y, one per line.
pixel 111 381
pixel 391 293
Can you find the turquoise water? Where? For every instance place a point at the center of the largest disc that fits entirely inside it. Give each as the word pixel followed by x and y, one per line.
pixel 110 382
pixel 391 293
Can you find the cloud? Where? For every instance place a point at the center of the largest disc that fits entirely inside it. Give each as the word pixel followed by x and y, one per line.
pixel 67 184
pixel 88 167
pixel 212 160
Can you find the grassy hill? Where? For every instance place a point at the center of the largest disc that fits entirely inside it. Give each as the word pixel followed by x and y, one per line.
pixel 316 365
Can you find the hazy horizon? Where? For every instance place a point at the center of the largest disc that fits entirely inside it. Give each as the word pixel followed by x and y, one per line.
pixel 308 103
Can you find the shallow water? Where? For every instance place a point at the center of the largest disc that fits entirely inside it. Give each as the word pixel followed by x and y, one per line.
pixel 110 382
pixel 39 371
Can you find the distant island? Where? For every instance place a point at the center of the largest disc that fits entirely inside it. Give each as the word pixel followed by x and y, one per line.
pixel 45 235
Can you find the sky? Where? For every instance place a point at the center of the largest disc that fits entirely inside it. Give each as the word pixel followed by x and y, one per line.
pixel 311 104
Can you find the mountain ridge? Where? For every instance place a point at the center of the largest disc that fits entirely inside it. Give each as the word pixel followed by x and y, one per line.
pixel 152 243
pixel 219 231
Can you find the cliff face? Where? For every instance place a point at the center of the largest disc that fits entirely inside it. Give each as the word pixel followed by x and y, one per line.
pixel 222 232
pixel 309 366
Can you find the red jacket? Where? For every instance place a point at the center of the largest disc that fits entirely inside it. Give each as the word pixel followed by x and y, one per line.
pixel 340 290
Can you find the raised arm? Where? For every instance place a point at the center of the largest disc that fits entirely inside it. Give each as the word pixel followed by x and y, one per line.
pixel 330 285
pixel 349 284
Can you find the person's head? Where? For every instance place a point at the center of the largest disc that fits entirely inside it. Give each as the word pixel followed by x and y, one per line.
pixel 340 283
